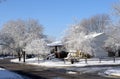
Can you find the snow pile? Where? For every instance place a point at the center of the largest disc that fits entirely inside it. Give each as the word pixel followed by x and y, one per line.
pixel 5 74
pixel 113 72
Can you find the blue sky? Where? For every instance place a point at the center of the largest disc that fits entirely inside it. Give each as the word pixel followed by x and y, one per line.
pixel 54 15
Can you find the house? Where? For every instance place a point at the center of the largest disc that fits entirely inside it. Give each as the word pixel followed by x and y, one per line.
pixel 99 40
pixel 57 48
pixel 98 47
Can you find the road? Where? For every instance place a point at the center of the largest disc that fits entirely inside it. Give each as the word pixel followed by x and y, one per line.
pixel 38 72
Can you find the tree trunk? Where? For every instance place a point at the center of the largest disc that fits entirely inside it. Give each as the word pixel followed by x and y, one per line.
pixel 23 56
pixel 19 56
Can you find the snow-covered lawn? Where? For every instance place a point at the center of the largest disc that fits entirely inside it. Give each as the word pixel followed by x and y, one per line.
pixel 60 63
pixel 5 74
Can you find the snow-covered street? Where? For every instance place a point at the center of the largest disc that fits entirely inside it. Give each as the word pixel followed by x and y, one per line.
pixel 104 68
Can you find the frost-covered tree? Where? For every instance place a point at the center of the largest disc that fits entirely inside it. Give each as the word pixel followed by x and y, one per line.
pixel 95 23
pixel 80 42
pixel 116 8
pixel 98 23
pixel 6 42
pixel 75 35
pixel 38 47
pixel 113 41
pixel 23 32
pixel 77 41
pixel 6 39
pixel 112 44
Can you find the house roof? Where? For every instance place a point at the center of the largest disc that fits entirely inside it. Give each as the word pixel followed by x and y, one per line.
pixel 56 43
pixel 87 37
pixel 93 35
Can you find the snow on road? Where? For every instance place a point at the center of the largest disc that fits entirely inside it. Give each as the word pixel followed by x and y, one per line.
pixel 113 72
pixel 5 74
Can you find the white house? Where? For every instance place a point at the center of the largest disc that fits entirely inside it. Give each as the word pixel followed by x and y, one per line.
pixel 98 47
pixel 99 40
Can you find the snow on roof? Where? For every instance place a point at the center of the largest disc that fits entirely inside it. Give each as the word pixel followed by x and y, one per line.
pixel 59 43
pixel 56 43
pixel 93 35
